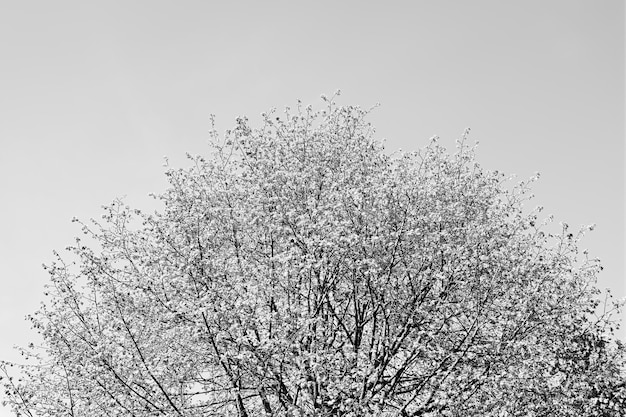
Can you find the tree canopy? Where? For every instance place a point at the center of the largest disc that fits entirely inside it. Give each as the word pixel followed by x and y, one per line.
pixel 301 270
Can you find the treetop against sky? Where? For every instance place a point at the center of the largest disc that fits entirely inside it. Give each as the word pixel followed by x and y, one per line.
pixel 300 270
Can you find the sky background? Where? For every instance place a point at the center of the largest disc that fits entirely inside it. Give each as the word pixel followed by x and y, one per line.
pixel 94 94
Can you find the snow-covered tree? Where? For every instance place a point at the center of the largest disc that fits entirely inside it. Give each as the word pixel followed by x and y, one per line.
pixel 300 270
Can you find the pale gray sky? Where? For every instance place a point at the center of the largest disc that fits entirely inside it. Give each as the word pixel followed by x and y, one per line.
pixel 94 94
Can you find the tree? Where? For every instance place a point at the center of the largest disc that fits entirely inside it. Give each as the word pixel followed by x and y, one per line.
pixel 299 270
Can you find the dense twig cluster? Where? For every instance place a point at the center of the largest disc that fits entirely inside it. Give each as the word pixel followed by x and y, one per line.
pixel 301 271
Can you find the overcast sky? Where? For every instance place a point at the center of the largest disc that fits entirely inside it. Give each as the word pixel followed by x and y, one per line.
pixel 94 94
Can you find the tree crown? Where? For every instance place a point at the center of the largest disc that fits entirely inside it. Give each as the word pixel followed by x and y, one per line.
pixel 299 270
